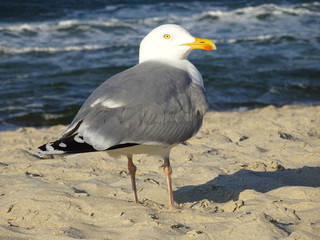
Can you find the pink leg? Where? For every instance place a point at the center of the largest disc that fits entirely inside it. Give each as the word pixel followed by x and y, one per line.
pixel 132 170
pixel 168 171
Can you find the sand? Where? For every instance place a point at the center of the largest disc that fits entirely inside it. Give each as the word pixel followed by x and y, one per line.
pixel 245 175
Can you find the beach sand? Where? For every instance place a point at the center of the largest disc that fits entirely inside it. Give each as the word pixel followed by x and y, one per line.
pixel 245 175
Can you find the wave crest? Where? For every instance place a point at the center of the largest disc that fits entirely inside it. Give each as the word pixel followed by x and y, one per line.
pixel 11 50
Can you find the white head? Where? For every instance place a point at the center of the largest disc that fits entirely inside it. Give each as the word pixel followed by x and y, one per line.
pixel 171 42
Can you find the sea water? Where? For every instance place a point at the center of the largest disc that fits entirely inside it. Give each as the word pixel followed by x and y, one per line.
pixel 53 54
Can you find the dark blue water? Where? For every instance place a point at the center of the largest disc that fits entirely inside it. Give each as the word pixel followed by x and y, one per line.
pixel 54 53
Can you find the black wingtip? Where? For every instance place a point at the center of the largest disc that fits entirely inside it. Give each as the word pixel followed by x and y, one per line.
pixel 72 144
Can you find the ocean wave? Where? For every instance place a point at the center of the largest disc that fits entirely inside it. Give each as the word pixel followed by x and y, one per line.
pixel 26 26
pixel 259 38
pixel 259 12
pixel 50 116
pixel 256 38
pixel 240 15
pixel 23 50
pixel 63 24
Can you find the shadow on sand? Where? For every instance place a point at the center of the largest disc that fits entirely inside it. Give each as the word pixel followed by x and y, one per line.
pixel 228 187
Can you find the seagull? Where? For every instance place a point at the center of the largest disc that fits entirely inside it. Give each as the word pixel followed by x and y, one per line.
pixel 147 109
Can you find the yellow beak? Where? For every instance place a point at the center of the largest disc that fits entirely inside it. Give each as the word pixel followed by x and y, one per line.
pixel 201 43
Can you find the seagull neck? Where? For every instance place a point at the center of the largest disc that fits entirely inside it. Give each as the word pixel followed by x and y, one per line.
pixel 187 66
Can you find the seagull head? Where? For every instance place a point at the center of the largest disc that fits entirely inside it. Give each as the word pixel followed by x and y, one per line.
pixel 171 42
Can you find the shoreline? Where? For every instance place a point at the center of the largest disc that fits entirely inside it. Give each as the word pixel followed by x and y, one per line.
pixel 13 127
pixel 246 175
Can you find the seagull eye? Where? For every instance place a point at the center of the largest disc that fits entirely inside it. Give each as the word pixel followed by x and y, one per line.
pixel 166 36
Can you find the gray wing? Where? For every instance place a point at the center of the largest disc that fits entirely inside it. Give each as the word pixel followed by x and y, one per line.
pixel 151 103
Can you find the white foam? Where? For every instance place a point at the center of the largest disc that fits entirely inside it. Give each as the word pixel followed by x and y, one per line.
pixel 51 27
pixel 49 116
pixel 68 23
pixel 249 13
pixel 256 38
pixel 15 50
